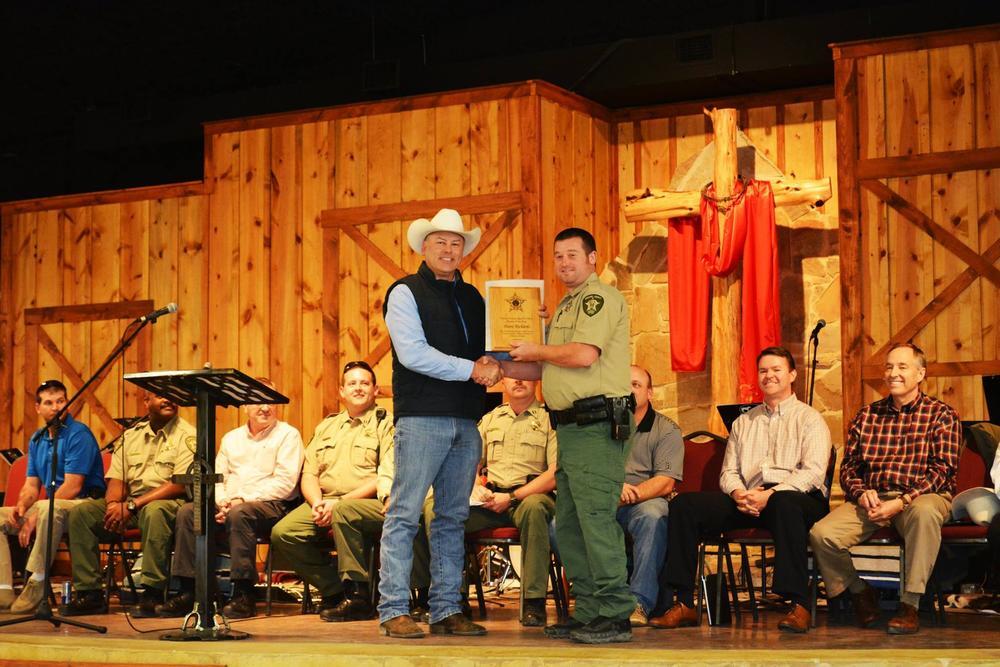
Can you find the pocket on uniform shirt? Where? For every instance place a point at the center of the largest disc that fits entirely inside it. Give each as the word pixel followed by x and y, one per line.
pixel 531 449
pixel 494 444
pixel 164 470
pixel 365 454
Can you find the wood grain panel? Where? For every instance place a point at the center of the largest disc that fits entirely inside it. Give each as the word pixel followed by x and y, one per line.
pixel 987 57
pixel 352 190
pixel 163 278
pixel 105 242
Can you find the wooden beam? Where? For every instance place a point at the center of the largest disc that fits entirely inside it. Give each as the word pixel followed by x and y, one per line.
pixel 88 312
pixel 919 42
pixel 31 380
pixel 658 204
pixel 77 380
pixel 331 320
pixel 374 251
pixel 493 230
pixel 849 237
pixel 935 306
pixel 426 208
pixel 185 189
pixel 942 162
pixel 936 231
pixel 943 369
pixel 565 98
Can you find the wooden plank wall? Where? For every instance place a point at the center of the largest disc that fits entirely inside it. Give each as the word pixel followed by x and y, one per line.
pixel 796 131
pixel 924 100
pixel 244 260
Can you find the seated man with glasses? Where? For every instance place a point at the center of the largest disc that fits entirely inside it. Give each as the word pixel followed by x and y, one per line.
pixel 341 463
pixel 260 463
pixel 79 475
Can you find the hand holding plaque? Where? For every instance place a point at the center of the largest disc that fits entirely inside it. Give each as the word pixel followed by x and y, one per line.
pixel 512 313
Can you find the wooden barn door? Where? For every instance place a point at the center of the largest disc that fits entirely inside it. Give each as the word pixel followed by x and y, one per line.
pixel 918 143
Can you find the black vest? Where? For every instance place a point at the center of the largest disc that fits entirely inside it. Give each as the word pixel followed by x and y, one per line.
pixel 438 303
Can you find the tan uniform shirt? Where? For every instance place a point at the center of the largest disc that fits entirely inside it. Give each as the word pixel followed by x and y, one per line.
pixel 515 446
pixel 146 460
pixel 594 313
pixel 344 453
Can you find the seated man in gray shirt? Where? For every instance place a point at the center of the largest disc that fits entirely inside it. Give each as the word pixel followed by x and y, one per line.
pixel 654 465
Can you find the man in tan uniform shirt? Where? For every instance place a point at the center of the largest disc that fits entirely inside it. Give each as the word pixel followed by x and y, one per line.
pixel 341 463
pixel 139 493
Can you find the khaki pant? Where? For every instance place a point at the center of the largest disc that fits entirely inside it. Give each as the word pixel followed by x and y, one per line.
pixel 306 547
pixel 36 559
pixel 848 525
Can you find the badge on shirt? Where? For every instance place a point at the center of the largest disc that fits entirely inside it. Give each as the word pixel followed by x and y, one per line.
pixel 592 304
pixel 191 443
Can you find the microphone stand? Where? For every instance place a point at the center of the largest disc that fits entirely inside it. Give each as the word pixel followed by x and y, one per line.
pixel 814 342
pixel 55 425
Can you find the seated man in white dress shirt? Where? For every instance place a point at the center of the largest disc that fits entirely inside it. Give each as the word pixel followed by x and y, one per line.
pixel 260 464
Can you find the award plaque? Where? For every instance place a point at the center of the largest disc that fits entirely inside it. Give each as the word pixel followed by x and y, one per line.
pixel 512 313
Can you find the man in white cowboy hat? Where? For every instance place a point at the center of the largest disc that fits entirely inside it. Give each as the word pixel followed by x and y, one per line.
pixel 437 325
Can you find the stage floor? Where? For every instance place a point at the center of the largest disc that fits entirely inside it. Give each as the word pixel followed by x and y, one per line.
pixel 967 638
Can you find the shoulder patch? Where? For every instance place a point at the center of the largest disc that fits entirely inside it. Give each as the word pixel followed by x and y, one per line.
pixel 191 443
pixel 592 304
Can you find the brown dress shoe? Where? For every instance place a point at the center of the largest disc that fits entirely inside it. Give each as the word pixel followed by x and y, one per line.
pixel 866 608
pixel 906 621
pixel 678 616
pixel 401 627
pixel 457 624
pixel 797 620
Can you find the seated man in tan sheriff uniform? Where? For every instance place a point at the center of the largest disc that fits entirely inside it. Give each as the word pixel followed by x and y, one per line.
pixel 139 493
pixel 356 525
pixel 341 463
pixel 519 460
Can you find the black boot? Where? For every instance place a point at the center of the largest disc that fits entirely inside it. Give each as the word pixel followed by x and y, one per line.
pixel 148 601
pixel 420 610
pixel 85 603
pixel 356 606
pixel 177 606
pixel 242 604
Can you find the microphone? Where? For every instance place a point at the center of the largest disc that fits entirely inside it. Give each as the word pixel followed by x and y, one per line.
pixel 815 332
pixel 157 314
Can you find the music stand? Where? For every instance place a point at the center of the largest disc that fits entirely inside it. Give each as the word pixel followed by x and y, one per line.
pixel 205 389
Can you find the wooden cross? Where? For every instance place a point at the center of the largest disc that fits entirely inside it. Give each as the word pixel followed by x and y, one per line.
pixel 656 204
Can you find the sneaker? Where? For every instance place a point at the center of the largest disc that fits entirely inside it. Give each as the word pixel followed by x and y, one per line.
pixel 177 606
pixel 457 624
pixel 603 631
pixel 638 618
pixel 533 615
pixel 562 629
pixel 401 627
pixel 242 605
pixel 29 599
pixel 7 596
pixel 85 603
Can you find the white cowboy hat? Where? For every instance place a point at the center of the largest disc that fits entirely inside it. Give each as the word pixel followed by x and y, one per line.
pixel 445 220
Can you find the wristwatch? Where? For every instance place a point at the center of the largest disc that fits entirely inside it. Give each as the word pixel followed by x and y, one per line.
pixel 130 505
pixel 905 498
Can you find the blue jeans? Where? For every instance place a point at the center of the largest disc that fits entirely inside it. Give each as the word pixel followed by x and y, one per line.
pixel 647 524
pixel 442 452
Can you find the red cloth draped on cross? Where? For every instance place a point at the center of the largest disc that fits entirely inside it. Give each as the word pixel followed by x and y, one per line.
pixel 695 252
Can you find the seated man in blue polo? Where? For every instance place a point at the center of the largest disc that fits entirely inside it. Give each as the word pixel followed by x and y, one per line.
pixel 654 466
pixel 79 475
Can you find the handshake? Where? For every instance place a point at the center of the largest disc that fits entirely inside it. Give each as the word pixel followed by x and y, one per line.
pixel 486 371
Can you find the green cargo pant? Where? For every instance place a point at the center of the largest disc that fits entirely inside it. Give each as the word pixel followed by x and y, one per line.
pixel 86 532
pixel 531 517
pixel 589 477
pixel 356 525
pixel 306 548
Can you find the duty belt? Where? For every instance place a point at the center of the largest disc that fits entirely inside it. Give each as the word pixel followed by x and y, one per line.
pixel 590 410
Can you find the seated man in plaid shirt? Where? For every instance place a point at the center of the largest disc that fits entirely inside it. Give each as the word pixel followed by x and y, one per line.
pixel 899 468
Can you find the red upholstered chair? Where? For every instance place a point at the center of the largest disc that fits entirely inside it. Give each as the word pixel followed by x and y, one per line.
pixel 762 538
pixel 505 538
pixel 703 455
pixel 115 551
